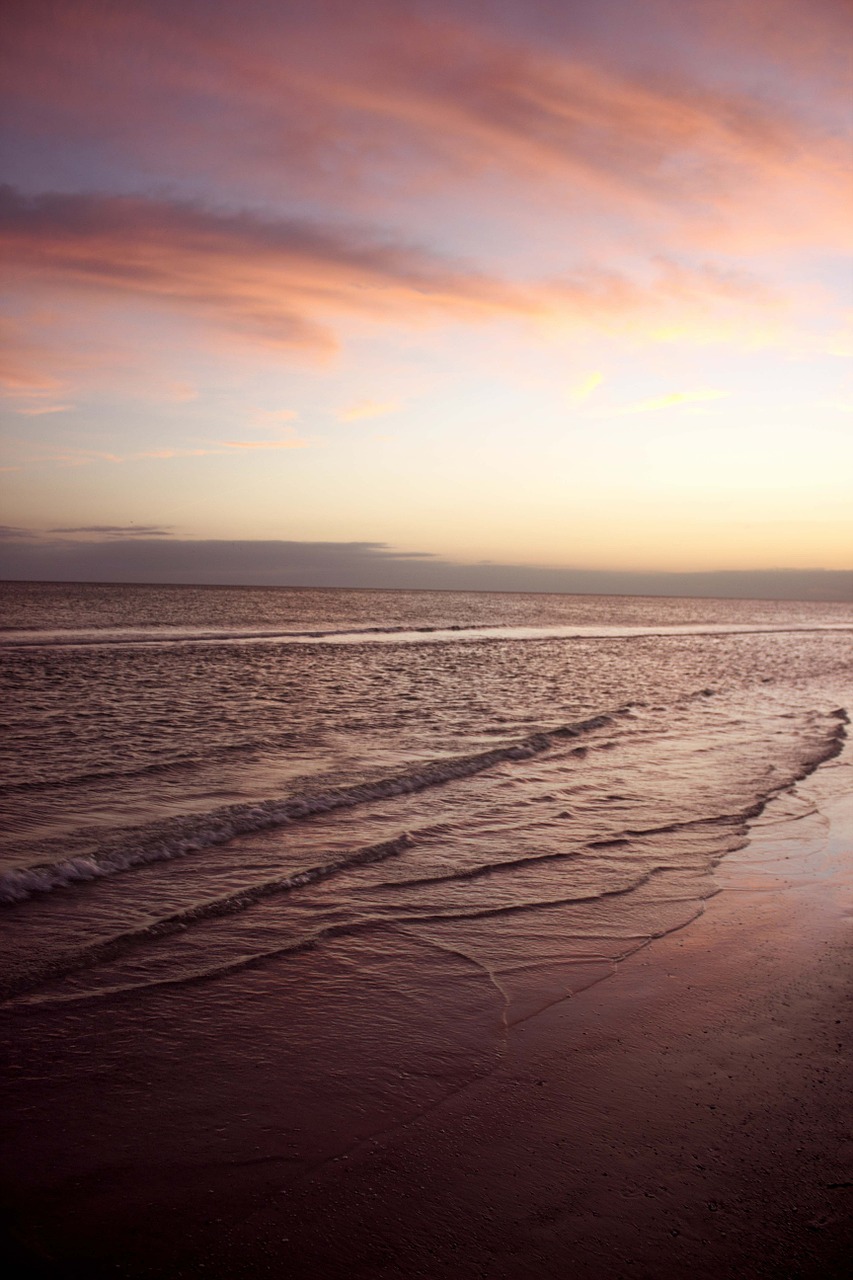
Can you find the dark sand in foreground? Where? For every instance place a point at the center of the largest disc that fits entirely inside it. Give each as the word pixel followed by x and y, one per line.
pixel 690 1116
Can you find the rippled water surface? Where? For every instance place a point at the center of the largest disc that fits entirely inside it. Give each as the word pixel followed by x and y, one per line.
pixel 198 782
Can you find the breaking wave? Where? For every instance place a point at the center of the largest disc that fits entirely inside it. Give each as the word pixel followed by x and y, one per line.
pixel 109 948
pixel 190 834
pixel 119 637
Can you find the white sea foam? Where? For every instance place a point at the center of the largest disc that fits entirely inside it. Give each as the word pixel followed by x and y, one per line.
pixel 181 636
pixel 180 836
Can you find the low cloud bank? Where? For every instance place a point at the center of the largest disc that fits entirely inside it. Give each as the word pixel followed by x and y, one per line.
pixel 374 564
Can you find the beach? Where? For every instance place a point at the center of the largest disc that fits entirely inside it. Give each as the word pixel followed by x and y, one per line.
pixel 689 1114
pixel 426 641
pixel 353 941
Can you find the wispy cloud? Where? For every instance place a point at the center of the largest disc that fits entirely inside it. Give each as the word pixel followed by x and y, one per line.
pixel 287 284
pixel 42 359
pixel 272 419
pixel 365 409
pixel 266 444
pixel 116 554
pixel 182 392
pixel 72 457
pixel 119 530
pixel 674 400
pixel 38 410
pixel 402 97
pixel 22 366
pixel 166 453
pixel 582 390
pixel 277 280
pixel 77 457
pixel 443 201
pixel 839 405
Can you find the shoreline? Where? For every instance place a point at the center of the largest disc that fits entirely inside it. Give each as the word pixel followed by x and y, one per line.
pixel 686 1115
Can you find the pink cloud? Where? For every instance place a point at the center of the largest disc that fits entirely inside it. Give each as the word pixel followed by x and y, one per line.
pixel 21 364
pixel 168 453
pixel 272 419
pixel 395 99
pixel 673 400
pixel 285 284
pixel 568 143
pixel 365 409
pixel 276 280
pixel 181 392
pixel 43 355
pixel 266 444
pixel 37 411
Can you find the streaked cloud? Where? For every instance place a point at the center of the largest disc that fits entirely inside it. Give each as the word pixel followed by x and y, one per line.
pixel 38 410
pixel 167 453
pixel 674 400
pixel 120 530
pixel 272 418
pixel 266 444
pixel 45 358
pixel 284 284
pixel 425 95
pixel 119 555
pixel 582 390
pixel 364 409
pixel 73 457
pixel 277 280
pixel 76 457
pixel 182 392
pixel 542 235
pixel 22 364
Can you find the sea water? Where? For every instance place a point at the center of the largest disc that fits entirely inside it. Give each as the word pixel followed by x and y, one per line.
pixel 326 850
pixel 520 776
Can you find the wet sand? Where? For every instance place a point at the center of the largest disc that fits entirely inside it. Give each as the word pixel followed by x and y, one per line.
pixel 689 1116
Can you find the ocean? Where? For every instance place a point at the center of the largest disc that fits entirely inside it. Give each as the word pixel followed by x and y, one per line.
pixel 280 866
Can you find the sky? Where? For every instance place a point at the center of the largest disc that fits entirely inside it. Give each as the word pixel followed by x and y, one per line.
pixel 519 294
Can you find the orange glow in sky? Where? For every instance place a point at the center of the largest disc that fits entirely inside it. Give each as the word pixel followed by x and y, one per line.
pixel 538 284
